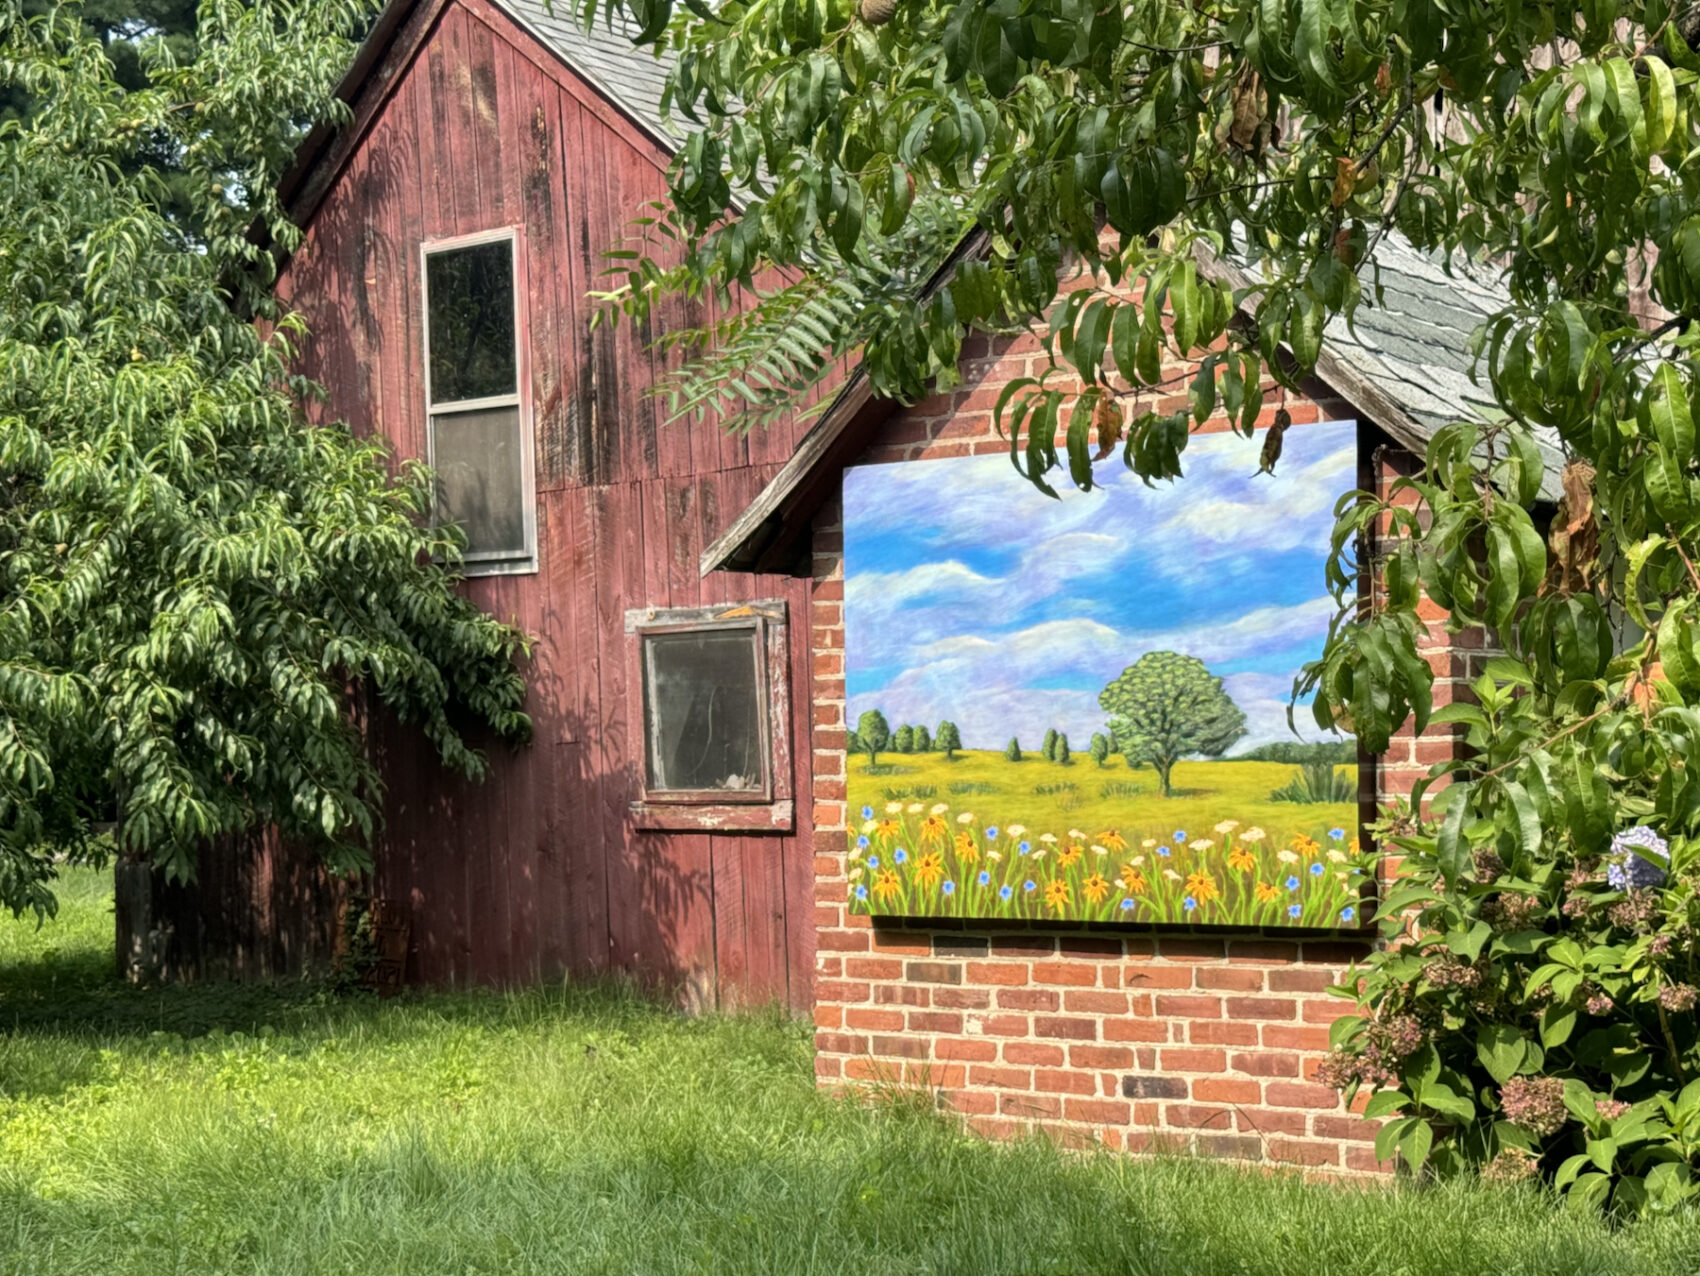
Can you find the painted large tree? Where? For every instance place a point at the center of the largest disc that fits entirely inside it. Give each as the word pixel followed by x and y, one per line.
pixel 203 598
pixel 1165 707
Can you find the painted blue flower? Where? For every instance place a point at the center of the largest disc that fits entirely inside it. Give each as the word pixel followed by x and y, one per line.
pixel 862 841
pixel 1348 913
pixel 1293 910
pixel 1030 885
pixel 899 855
pixel 1180 835
pixel 867 812
pixel 1025 847
pixel 1316 869
pixel 1293 883
pixel 1163 851
pixel 1004 892
pixel 985 878
pixel 1127 905
pixel 1337 834
pixel 1627 869
pixel 949 888
pixel 861 892
pixel 992 833
pixel 873 861
pixel 1189 903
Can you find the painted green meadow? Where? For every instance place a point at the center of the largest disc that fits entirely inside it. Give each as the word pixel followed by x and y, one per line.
pixel 980 836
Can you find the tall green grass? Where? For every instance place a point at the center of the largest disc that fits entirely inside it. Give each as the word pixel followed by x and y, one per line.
pixel 278 1130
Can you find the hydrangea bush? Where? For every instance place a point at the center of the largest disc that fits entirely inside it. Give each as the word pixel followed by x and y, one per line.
pixel 1532 1014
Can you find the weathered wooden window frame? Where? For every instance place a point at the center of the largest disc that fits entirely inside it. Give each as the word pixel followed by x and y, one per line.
pixel 769 809
pixel 489 562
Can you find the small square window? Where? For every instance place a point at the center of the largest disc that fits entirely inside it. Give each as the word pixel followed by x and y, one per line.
pixel 714 714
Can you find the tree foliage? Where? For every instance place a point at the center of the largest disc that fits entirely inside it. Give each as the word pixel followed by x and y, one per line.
pixel 1099 749
pixel 1166 706
pixel 203 598
pixel 874 734
pixel 1012 750
pixel 948 738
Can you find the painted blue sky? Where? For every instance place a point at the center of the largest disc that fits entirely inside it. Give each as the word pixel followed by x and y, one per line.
pixel 970 595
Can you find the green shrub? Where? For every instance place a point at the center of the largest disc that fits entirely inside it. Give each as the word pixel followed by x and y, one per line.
pixel 1012 751
pixel 1051 790
pixel 910 792
pixel 1120 789
pixel 1317 782
pixel 965 788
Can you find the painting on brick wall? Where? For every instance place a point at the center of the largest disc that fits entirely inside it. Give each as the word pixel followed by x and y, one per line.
pixel 1076 709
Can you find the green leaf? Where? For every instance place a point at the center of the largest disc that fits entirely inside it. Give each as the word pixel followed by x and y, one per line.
pixel 1501 1050
pixel 1416 1144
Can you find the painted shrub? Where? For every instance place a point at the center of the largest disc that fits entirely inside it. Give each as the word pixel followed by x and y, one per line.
pixel 1170 620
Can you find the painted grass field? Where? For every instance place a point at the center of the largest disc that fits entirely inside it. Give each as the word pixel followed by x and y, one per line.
pixel 278 1130
pixel 981 836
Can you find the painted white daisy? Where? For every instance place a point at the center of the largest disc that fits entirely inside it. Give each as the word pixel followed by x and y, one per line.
pixel 1227 826
pixel 1171 875
pixel 993 856
pixel 939 808
pixel 1016 830
pixel 1077 835
pixel 1047 837
pixel 868 826
pixel 1149 842
pixel 914 808
pixel 967 817
pixel 1252 834
pixel 1287 857
pixel 892 808
pixel 1203 844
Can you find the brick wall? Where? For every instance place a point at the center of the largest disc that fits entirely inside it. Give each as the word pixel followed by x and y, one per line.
pixel 1130 1038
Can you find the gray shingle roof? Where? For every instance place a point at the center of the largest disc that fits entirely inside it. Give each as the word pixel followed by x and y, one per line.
pixel 630 77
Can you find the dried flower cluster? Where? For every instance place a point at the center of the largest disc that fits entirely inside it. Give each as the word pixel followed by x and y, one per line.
pixel 1535 1103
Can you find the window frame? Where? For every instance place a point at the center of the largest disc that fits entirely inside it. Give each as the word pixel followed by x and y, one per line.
pixel 488 562
pixel 768 809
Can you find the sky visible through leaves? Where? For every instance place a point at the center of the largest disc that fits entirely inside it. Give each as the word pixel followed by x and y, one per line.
pixel 971 596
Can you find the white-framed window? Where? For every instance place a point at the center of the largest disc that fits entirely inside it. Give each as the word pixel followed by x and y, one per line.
pixel 478 438
pixel 714 698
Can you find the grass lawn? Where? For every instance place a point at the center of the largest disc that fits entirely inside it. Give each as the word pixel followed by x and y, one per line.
pixel 980 836
pixel 281 1130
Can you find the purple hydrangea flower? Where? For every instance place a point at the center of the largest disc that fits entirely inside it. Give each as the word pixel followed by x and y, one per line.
pixel 1628 869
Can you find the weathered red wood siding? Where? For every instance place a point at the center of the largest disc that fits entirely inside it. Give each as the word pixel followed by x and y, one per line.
pixel 538 871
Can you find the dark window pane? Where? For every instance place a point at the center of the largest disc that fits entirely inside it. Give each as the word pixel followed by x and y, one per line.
pixel 702 703
pixel 480 477
pixel 471 295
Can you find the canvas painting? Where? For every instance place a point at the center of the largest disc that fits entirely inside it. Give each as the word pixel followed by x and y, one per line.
pixel 1076 709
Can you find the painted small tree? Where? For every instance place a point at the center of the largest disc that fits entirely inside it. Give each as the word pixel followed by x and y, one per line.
pixel 1048 746
pixel 923 741
pixel 1165 707
pixel 904 739
pixel 1099 749
pixel 853 743
pixel 1012 750
pixel 874 733
pixel 1060 754
pixel 948 738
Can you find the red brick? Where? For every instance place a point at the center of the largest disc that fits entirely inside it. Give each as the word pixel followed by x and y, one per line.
pixel 1302 980
pixel 1006 1025
pixel 1261 1008
pixel 1029 999
pixel 1174 1006
pixel 840 1043
pixel 1024 945
pixel 902 943
pixel 873 968
pixel 828 1066
pixel 841 990
pixel 1226 1090
pixel 1008 974
pixel 1100 1056
pixel 935 1021
pixel 966 1050
pixel 1075 974
pixel 1096 1111
pixel 933 972
pixel 1001 1078
pixel 903 995
pixel 1188 1117
pixel 1069 1029
pixel 1229 978
pixel 1034 1053
pixel 1205 1032
pixel 904 1047
pixel 988 1127
pixel 1030 1105
pixel 1296 1094
pixel 1237 1147
pixel 1183 1060
pixel 961 998
pixel 1266 1063
pixel 1064 1081
pixel 936 1076
pixel 1345 1128
pixel 1363 1160
pixel 1327 1011
pixel 874 1020
pixel 862 1068
pixel 1270 1121
pixel 1157 976
pixel 829 1016
pixel 845 941
pixel 1290 1037
pixel 972 1102
pixel 1136 1030
pixel 1091 1001
pixel 1295 1152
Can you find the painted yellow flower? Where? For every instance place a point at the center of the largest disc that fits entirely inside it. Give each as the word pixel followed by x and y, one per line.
pixel 1267 893
pixel 1305 845
pixel 1095 888
pixel 1241 860
pixel 1069 854
pixel 1113 839
pixel 1056 894
pixel 886 884
pixel 1133 879
pixel 888 828
pixel 1355 847
pixel 966 851
pixel 1202 887
pixel 929 869
pixel 933 829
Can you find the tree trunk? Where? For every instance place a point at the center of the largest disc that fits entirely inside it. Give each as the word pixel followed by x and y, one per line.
pixel 1163 767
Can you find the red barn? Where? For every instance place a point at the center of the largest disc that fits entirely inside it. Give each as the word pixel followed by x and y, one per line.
pixel 680 814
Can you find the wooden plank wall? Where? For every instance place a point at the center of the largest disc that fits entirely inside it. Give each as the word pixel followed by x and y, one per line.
pixel 538 872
